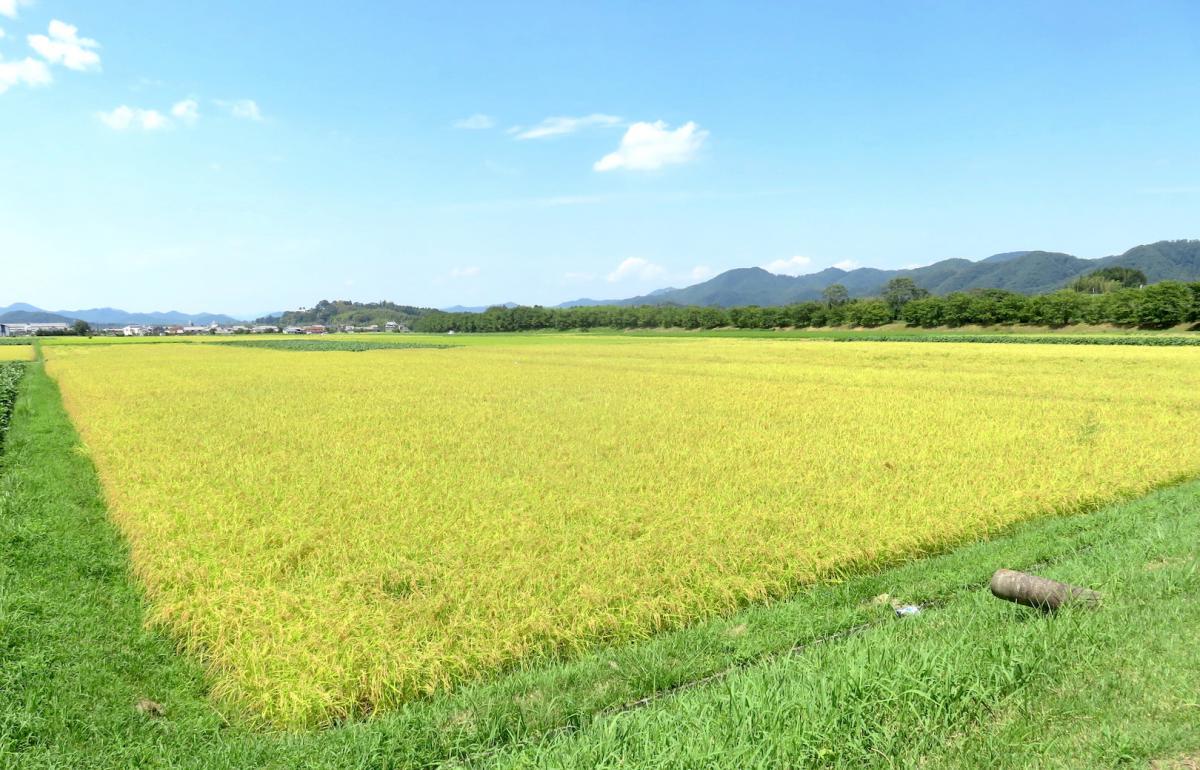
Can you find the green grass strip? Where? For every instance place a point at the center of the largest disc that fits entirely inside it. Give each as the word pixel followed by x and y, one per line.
pixel 75 657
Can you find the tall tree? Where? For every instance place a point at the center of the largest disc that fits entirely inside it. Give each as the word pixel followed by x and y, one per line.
pixel 835 295
pixel 899 292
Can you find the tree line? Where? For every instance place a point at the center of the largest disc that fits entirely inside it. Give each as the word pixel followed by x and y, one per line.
pixel 1112 296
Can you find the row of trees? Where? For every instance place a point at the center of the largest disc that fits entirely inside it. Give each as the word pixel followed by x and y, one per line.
pixel 1156 306
pixel 1102 301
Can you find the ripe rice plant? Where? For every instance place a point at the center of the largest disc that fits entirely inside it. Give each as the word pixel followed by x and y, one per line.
pixel 334 535
pixel 13 352
pixel 350 346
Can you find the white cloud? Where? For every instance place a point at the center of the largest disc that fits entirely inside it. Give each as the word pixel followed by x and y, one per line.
pixel 27 72
pixel 1 33
pixel 9 8
pixel 559 126
pixel 845 264
pixel 636 268
pixel 64 46
pixel 245 109
pixel 124 118
pixel 476 122
pixel 186 111
pixel 464 272
pixel 795 266
pixel 650 146
pixel 702 273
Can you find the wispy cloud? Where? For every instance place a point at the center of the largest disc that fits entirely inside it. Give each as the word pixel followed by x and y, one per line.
pixel 125 118
pixel 562 125
pixel 796 265
pixel 702 273
pixel 10 8
pixel 476 122
pixel 650 146
pixel 243 109
pixel 464 272
pixel 638 269
pixel 845 264
pixel 27 72
pixel 64 46
pixel 186 111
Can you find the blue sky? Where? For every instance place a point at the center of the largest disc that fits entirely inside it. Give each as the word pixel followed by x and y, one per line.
pixel 251 156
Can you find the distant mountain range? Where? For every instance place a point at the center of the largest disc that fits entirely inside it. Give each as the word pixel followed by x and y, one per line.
pixel 1025 272
pixel 476 308
pixel 21 312
pixel 650 299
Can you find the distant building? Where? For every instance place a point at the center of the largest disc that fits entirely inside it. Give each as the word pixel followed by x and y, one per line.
pixel 264 329
pixel 293 330
pixel 314 329
pixel 22 329
pixel 133 331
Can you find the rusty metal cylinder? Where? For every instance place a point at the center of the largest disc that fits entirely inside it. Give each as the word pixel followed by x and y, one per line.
pixel 1039 592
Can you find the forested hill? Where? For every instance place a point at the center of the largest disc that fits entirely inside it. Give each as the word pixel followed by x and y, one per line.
pixel 344 312
pixel 1025 272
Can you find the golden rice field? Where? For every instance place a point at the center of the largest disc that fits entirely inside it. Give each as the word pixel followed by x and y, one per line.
pixel 16 353
pixel 333 533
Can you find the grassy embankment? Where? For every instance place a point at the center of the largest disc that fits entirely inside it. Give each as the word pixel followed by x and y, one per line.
pixel 969 682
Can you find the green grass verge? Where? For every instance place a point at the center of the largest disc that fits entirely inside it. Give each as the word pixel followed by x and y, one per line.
pixel 970 677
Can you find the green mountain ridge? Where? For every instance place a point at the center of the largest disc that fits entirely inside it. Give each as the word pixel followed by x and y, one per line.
pixel 1025 272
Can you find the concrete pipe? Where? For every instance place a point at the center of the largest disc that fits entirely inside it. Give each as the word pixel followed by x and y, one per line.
pixel 1034 591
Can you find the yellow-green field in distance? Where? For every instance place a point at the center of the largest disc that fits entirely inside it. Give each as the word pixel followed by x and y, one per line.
pixel 16 353
pixel 333 533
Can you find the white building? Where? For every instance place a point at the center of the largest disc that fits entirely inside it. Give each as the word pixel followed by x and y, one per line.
pixel 17 330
